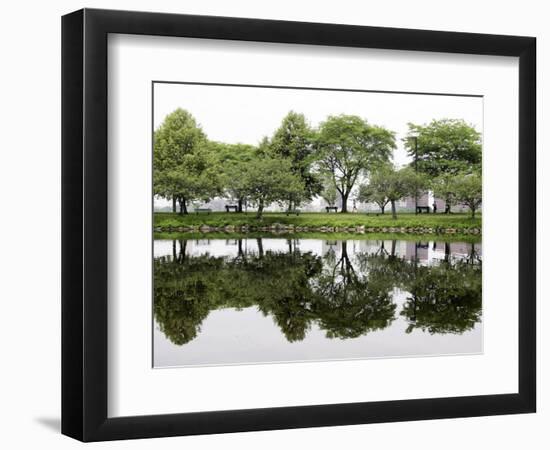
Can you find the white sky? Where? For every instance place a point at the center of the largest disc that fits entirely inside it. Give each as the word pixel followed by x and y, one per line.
pixel 247 114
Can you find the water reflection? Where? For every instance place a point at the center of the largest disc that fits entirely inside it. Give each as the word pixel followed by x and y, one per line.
pixel 346 289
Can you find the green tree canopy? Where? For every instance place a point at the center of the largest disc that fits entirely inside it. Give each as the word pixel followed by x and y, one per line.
pixel 444 146
pixel 183 167
pixel 293 140
pixel 443 188
pixel 195 178
pixel 234 161
pixel 445 298
pixel 177 136
pixel 467 190
pixel 376 190
pixel 329 192
pixel 349 146
pixel 270 180
pixel 388 184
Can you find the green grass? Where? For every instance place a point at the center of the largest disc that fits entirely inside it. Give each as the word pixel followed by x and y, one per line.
pixel 316 220
pixel 325 236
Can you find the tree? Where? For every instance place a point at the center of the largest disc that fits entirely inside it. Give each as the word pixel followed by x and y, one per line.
pixel 183 296
pixel 375 191
pixel 446 146
pixel 269 180
pixel 188 287
pixel 349 146
pixel 196 177
pixel 442 187
pixel 351 302
pixel 329 192
pixel 293 141
pixel 444 298
pixel 388 184
pixel 177 144
pixel 234 159
pixel 468 190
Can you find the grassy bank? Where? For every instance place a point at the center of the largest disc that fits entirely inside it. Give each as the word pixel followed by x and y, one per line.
pixel 317 235
pixel 315 221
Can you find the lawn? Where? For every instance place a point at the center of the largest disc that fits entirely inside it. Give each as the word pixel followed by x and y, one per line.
pixel 470 238
pixel 441 222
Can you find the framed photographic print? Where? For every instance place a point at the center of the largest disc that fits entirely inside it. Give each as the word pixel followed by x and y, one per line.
pixel 273 224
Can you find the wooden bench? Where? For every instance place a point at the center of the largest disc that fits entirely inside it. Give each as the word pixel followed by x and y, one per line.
pixel 204 210
pixel 292 211
pixel 231 207
pixel 333 208
pixel 419 209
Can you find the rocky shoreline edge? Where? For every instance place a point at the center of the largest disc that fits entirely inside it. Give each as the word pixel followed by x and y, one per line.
pixel 282 228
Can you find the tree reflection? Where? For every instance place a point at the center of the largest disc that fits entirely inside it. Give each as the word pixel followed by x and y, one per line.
pixel 183 296
pixel 445 298
pixel 345 294
pixel 283 290
pixel 350 302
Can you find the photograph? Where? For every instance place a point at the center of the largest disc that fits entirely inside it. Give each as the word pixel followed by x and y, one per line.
pixel 272 225
pixel 301 224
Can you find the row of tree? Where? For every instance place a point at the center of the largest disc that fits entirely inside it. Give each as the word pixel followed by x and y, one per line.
pixel 389 185
pixel 298 163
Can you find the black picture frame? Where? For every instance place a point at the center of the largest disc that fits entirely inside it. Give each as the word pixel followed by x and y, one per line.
pixel 84 224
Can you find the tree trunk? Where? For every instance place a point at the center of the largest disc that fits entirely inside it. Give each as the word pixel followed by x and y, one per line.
pixel 240 205
pixel 382 208
pixel 345 257
pixel 260 247
pixel 260 209
pixel 183 205
pixel 173 204
pixel 183 249
pixel 393 244
pixel 473 212
pixel 393 211
pixel 347 266
pixel 345 202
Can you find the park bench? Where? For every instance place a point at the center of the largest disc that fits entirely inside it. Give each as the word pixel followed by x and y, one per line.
pixel 231 207
pixel 204 210
pixel 293 211
pixel 333 208
pixel 419 209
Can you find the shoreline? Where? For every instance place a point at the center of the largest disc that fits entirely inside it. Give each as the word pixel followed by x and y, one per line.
pixel 431 224
pixel 289 229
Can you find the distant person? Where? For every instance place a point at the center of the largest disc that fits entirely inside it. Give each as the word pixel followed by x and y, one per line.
pixel 435 207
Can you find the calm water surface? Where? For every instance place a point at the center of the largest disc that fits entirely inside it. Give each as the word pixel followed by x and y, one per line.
pixel 270 299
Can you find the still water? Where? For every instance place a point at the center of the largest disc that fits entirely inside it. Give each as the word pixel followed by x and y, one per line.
pixel 271 299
